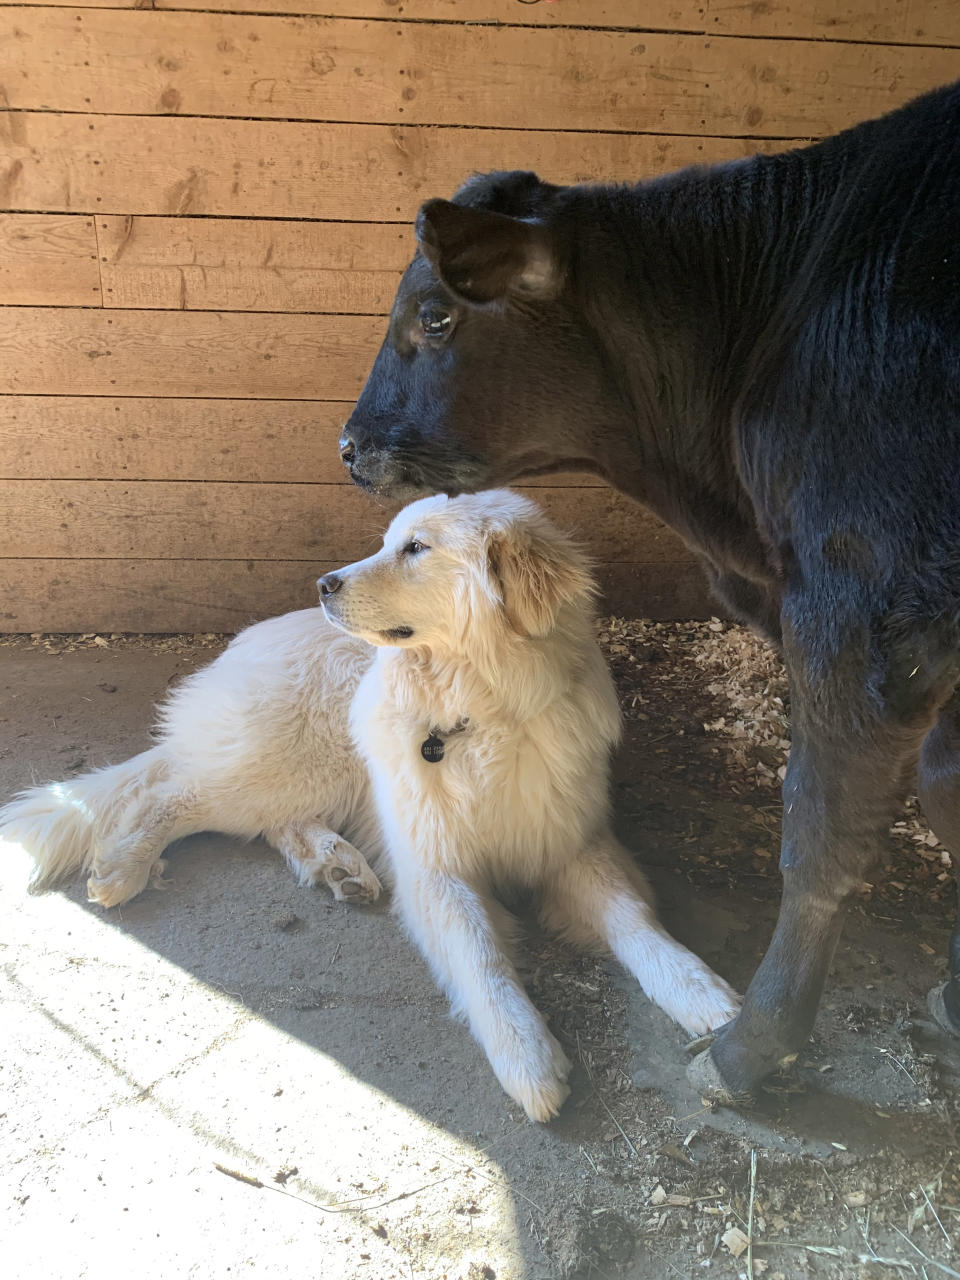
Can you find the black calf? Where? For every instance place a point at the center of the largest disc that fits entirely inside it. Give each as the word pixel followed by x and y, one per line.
pixel 767 354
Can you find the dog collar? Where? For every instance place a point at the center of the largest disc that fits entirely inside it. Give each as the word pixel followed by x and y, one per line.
pixel 434 745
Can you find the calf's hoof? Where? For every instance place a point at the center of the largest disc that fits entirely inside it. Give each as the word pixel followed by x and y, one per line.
pixel 704 1074
pixel 943 1001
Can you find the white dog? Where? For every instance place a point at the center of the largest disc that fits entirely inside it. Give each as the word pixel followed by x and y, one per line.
pixel 461 660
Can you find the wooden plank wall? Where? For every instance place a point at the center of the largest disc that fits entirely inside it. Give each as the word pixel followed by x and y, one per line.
pixel 204 210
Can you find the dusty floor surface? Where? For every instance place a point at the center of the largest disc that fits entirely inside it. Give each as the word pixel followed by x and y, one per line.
pixel 238 1076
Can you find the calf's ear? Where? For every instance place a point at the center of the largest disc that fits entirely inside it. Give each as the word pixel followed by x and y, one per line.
pixel 537 575
pixel 484 256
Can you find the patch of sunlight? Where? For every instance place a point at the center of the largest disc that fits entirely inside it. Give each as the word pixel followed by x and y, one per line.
pixel 16 866
pixel 63 791
pixel 141 1079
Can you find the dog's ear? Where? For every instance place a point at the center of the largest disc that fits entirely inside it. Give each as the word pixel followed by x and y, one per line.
pixel 537 575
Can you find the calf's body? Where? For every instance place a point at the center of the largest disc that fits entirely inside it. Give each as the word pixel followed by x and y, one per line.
pixel 767 355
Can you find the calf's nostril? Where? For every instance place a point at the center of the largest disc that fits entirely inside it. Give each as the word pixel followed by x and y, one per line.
pixel 329 584
pixel 348 450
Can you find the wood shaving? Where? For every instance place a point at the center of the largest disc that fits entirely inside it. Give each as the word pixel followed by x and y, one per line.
pixel 747 682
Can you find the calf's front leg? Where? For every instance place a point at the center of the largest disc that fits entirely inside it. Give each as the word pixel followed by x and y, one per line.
pixel 939 789
pixel 855 732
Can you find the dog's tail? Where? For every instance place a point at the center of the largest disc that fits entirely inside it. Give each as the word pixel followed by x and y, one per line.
pixel 61 825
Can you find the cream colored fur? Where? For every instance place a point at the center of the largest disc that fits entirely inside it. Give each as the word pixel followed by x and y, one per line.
pixel 308 729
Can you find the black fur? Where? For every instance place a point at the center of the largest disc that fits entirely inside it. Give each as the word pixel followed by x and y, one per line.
pixel 766 354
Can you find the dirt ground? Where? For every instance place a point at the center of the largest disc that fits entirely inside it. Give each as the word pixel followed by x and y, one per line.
pixel 240 1076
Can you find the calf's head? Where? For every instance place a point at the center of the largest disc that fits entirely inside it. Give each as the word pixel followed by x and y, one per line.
pixel 489 371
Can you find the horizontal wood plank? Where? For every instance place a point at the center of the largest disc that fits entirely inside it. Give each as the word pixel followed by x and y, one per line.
pixel 140 438
pixel 251 265
pixel 671 15
pixel 279 169
pixel 169 520
pixel 935 22
pixel 152 596
pixel 141 62
pixel 48 259
pixel 209 521
pixel 224 595
pixel 190 353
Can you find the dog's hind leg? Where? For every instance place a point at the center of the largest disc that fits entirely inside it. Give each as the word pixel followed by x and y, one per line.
pixel 600 896
pixel 317 855
pixel 123 866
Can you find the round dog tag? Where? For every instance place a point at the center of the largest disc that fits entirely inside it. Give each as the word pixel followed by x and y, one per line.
pixel 432 749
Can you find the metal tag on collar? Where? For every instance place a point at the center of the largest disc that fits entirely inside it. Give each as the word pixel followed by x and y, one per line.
pixel 432 749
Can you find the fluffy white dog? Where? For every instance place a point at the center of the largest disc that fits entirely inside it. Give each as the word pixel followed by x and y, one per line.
pixel 450 713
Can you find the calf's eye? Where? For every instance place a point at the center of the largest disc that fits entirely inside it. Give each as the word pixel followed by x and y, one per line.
pixel 434 322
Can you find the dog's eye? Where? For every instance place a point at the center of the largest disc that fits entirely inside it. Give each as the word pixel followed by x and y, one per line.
pixel 434 322
pixel 413 548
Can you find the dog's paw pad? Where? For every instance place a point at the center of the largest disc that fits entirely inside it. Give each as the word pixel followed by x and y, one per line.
pixel 349 877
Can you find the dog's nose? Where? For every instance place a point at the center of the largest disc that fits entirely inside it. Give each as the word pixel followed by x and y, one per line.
pixel 348 450
pixel 329 584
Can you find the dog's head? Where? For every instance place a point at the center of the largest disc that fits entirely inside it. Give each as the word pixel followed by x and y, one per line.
pixel 453 572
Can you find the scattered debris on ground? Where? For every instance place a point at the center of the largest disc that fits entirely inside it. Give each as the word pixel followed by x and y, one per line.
pixel 57 644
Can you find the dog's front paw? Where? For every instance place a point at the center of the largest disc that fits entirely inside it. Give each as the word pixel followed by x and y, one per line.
pixel 703 1001
pixel 533 1070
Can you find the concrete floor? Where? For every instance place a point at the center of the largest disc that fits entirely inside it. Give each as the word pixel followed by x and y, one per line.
pixel 239 1076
